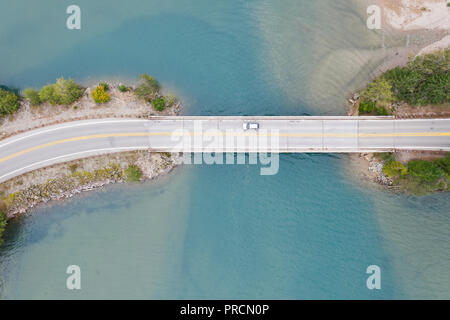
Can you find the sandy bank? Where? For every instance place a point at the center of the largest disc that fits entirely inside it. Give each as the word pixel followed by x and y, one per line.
pixel 407 15
pixel 439 45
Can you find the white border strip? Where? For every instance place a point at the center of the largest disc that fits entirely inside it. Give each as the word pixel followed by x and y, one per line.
pixel 38 131
pixel 68 156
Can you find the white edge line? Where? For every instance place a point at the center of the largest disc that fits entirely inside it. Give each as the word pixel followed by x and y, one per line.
pixel 67 127
pixel 70 155
pixel 146 147
pixel 145 120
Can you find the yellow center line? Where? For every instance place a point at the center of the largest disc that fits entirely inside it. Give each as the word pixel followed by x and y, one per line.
pixel 148 134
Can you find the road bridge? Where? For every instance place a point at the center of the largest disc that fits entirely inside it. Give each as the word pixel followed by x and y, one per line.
pixel 278 134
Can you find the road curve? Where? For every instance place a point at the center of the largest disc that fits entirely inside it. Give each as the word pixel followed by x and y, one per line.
pixel 74 140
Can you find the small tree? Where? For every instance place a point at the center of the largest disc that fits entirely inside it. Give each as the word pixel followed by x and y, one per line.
pixel 378 91
pixel 100 96
pixel 62 92
pixel 9 102
pixel 159 104
pixel 68 91
pixel 33 96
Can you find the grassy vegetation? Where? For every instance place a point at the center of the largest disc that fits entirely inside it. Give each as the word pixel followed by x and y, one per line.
pixel 148 87
pixel 104 85
pixel 425 80
pixel 123 88
pixel 418 176
pixel 33 96
pixel 171 99
pixel 395 169
pixel 133 173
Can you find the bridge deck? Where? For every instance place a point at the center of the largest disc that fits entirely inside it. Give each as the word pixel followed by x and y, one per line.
pixel 69 141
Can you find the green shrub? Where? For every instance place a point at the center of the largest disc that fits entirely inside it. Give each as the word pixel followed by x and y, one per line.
pixel 104 85
pixel 73 168
pixel 366 106
pixel 421 177
pixel 133 173
pixel 427 171
pixel 123 88
pixel 33 96
pixel 381 111
pixel 387 157
pixel 9 102
pixel 395 169
pixel 100 96
pixel 159 104
pixel 148 87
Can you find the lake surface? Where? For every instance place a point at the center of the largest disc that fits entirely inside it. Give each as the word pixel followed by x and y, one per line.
pixel 221 231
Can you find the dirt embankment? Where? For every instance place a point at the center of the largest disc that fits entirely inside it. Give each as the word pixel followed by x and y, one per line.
pixel 65 180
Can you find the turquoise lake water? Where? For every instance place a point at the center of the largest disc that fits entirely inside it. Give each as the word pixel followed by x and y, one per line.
pixel 221 231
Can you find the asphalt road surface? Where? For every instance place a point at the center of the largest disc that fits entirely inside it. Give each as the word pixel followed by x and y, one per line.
pixel 73 140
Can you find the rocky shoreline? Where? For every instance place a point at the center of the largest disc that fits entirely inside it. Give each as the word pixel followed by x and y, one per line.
pixel 73 178
pixel 376 167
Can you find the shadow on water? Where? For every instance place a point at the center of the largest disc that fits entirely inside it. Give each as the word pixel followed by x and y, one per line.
pixel 35 229
pixel 15 90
